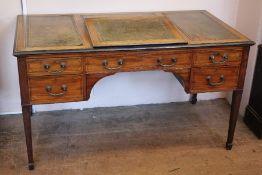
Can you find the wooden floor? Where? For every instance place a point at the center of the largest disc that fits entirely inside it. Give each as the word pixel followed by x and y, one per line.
pixel 166 139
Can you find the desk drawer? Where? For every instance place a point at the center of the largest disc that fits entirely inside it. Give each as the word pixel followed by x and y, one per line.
pixel 54 66
pixel 217 57
pixel 54 89
pixel 135 61
pixel 214 79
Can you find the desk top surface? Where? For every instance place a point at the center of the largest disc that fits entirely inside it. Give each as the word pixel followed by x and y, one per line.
pixel 39 34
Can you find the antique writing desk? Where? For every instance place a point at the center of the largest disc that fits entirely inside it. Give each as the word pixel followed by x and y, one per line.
pixel 61 57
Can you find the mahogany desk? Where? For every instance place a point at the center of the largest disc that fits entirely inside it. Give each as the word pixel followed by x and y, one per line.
pixel 58 63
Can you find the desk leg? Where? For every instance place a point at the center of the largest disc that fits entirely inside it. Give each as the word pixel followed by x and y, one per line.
pixel 31 110
pixel 27 110
pixel 236 99
pixel 193 99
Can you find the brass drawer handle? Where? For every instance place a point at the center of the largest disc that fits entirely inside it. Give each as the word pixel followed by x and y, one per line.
pixel 223 60
pixel 173 60
pixel 48 89
pixel 210 83
pixel 62 68
pixel 120 62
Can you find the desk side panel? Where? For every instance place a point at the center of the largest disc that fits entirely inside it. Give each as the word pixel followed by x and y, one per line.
pixel 23 81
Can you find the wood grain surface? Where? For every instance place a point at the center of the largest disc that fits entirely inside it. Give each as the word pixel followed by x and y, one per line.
pixel 199 82
pixel 39 95
pixel 138 61
pixel 201 57
pixel 54 66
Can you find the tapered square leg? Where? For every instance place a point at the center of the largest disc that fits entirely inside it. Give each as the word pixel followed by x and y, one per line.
pixel 28 134
pixel 31 110
pixel 236 99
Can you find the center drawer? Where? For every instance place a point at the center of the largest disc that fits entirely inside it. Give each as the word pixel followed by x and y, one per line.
pixel 54 89
pixel 136 61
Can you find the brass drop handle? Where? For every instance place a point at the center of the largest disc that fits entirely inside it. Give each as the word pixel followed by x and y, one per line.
pixel 223 61
pixel 62 68
pixel 173 60
pixel 47 66
pixel 210 83
pixel 62 65
pixel 120 62
pixel 48 89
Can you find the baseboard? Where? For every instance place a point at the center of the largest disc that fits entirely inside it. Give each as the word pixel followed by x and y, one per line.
pixel 10 113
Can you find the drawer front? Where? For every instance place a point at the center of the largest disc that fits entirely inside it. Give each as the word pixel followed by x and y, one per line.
pixel 54 89
pixel 217 57
pixel 54 66
pixel 214 79
pixel 135 61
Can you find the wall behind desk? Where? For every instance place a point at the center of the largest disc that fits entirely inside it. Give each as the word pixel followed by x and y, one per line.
pixel 122 88
pixel 9 86
pixel 249 22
